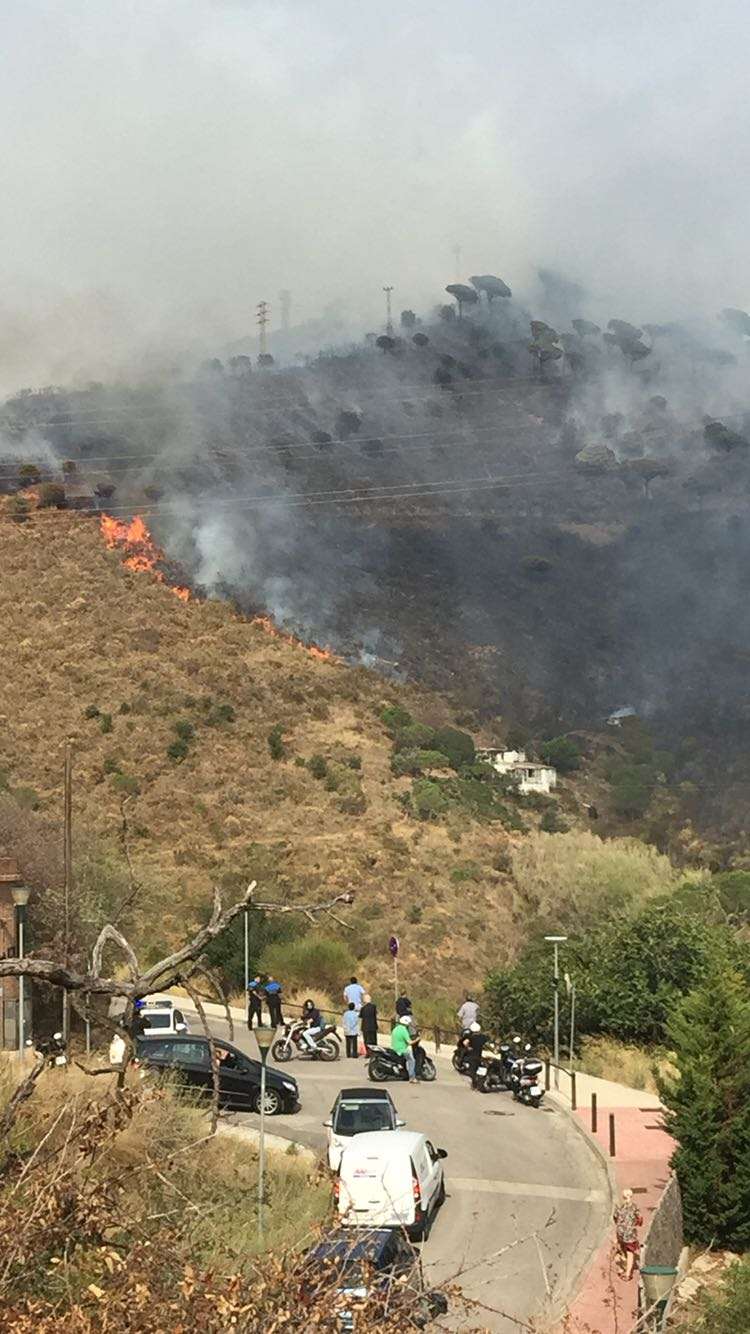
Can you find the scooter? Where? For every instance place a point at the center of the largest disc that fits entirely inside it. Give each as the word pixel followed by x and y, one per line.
pixel 385 1064
pixel 525 1080
pixel 52 1050
pixel 461 1058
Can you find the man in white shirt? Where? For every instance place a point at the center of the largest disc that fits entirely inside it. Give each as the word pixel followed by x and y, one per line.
pixel 354 994
pixel 467 1015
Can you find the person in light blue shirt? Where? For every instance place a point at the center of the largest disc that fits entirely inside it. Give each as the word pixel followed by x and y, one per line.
pixel 354 994
pixel 350 1022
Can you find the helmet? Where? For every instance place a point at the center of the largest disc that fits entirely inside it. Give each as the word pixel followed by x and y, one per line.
pixel 475 1028
pixel 309 1005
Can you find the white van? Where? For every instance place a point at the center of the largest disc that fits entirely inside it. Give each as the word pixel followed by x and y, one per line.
pixel 390 1178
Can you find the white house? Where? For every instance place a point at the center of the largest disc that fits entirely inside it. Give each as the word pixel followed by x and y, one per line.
pixel 531 777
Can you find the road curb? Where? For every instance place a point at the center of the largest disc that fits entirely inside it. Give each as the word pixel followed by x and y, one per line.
pixel 613 1188
pixel 273 1143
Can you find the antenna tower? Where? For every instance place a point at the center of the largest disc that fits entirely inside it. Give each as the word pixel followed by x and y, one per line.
pixel 262 317
pixel 388 313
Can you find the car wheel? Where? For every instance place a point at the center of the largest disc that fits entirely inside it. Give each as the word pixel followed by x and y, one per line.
pixel 273 1102
pixel 281 1050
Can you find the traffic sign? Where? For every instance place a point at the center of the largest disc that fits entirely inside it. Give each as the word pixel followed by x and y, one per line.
pixel 393 946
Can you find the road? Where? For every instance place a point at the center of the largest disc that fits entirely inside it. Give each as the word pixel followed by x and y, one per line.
pixel 527 1198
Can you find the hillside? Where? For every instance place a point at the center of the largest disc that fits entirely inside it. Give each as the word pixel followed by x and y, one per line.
pixel 114 661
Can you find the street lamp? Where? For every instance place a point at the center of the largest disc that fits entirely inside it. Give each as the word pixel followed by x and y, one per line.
pixel 264 1036
pixel 20 895
pixel 557 941
pixel 570 987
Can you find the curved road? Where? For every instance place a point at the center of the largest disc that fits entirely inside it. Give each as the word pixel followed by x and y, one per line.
pixel 528 1200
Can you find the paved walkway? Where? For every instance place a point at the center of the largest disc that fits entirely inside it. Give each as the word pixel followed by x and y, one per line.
pixel 606 1304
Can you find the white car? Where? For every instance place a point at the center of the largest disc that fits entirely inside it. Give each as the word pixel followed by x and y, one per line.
pixel 391 1178
pixel 358 1112
pixel 161 1016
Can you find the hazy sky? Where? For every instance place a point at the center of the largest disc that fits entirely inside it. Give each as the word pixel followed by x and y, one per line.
pixel 167 163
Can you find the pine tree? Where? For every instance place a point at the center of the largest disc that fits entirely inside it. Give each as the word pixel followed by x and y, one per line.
pixel 708 1109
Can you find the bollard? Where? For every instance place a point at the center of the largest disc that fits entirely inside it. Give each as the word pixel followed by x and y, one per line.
pixel 573 1102
pixel 594 1121
pixel 611 1134
pixel 546 1074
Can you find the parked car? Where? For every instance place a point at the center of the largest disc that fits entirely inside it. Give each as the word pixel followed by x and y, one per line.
pixel 358 1112
pixel 390 1178
pixel 239 1075
pixel 162 1016
pixel 353 1265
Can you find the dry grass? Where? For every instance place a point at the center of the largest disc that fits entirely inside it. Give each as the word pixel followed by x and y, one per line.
pixel 606 1058
pixel 81 630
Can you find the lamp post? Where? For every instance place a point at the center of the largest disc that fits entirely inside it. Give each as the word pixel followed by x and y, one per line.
pixel 570 987
pixel 557 941
pixel 264 1036
pixel 247 951
pixel 20 894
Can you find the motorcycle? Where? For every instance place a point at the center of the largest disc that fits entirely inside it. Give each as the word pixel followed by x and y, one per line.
pixel 494 1069
pixel 461 1058
pixel 386 1064
pixel 326 1044
pixel 525 1080
pixel 51 1050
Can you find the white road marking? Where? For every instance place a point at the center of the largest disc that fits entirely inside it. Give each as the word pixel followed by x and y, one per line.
pixel 527 1188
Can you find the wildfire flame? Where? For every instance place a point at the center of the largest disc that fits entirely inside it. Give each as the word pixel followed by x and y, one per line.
pixel 142 553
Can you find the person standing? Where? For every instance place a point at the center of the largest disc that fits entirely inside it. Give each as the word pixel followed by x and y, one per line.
pixel 368 1018
pixel 401 1043
pixel 468 1013
pixel 417 1049
pixel 354 993
pixel 273 1001
pixel 350 1023
pixel 627 1221
pixel 255 1002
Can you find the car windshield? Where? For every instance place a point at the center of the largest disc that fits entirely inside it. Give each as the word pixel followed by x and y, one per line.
pixel 356 1118
pixel 157 1018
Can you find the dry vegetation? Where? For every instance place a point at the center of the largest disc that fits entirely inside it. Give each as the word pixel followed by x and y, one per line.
pixel 85 636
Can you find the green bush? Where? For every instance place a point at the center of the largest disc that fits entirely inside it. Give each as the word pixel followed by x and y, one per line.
pixel 414 762
pixel 632 786
pixel 427 799
pixel 468 871
pixel 551 823
pixel 29 474
pixel 562 753
pixel 219 714
pixel 318 766
pixel 184 729
pixel 91 711
pixel 458 746
pixel 17 508
pixel 276 742
pixel 725 1310
pixel 105 722
pixel 51 496
pixel 354 762
pixel 127 784
pixel 178 750
pixel 394 716
pixel 111 764
pixel 415 736
pixel 314 961
pixel 27 798
pixel 733 888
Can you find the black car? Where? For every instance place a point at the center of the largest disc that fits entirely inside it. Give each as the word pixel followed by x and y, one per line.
pixel 355 1264
pixel 189 1056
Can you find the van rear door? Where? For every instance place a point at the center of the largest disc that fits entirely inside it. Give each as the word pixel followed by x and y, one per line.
pixel 375 1191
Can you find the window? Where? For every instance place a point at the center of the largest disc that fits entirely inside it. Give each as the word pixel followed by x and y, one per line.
pixel 157 1019
pixel 153 1050
pixel 191 1053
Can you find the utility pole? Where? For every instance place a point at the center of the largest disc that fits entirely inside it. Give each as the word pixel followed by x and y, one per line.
pixel 68 870
pixel 388 313
pixel 262 318
pixel 557 941
pixel 285 302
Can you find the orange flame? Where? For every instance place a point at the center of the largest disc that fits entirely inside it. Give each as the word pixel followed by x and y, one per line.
pixel 142 553
pixel 320 654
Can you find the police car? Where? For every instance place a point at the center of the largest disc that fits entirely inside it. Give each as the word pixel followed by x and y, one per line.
pixel 161 1016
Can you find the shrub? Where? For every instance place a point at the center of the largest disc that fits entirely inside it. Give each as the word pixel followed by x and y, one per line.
pixel 184 729
pixel 127 784
pixel 427 799
pixel 313 961
pixel 415 736
pixel 354 762
pixel 468 871
pixel 394 716
pixel 105 722
pixel 111 765
pixel 415 761
pixel 632 786
pixel 733 888
pixel 91 711
pixel 219 714
pixel 178 750
pixel 551 823
pixel 414 914
pixel 318 766
pixel 276 742
pixel 562 753
pixel 457 746
pixel 29 474
pixel 51 496
pixel 17 508
pixel 726 1309
pixel 27 798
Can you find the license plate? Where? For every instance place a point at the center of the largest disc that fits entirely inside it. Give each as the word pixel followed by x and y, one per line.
pixel 481 1069
pixel 535 1091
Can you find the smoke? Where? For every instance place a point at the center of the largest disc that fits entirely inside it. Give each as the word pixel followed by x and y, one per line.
pixel 167 166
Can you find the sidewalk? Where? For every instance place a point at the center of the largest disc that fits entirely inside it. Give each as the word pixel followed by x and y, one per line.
pixel 605 1302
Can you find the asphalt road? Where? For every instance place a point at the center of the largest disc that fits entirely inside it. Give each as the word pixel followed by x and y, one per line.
pixel 527 1199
